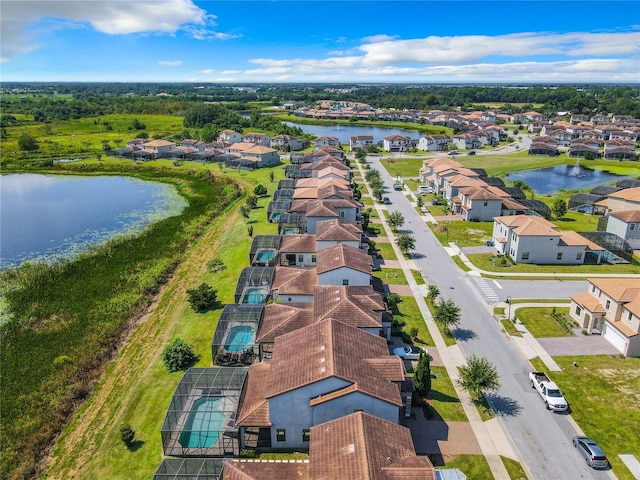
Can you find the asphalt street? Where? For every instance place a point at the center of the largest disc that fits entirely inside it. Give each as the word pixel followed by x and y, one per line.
pixel 543 438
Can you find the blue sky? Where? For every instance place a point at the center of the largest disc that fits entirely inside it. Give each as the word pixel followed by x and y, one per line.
pixel 326 41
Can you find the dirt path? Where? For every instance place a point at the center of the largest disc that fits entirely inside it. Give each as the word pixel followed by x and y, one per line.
pixel 101 414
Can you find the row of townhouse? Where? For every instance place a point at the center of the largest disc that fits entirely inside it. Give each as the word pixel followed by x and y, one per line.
pixel 311 331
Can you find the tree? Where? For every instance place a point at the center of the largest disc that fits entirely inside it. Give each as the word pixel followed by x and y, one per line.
pixel 202 298
pixel 422 374
pixel 447 314
pixel 260 190
pixel 179 355
pixel 559 208
pixel 396 220
pixel 432 292
pixel 405 243
pixel 137 124
pixel 250 230
pixel 27 143
pixel 378 192
pixel 127 435
pixel 419 202
pixel 252 201
pixel 393 299
pixel 272 176
pixel 478 376
pixel 245 211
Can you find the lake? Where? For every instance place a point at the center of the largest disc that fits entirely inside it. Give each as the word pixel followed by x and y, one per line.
pixel 53 217
pixel 343 132
pixel 565 177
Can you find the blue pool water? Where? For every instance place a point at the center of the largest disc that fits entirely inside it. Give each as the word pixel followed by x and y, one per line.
pixel 239 338
pixel 275 217
pixel 204 424
pixel 254 296
pixel 289 231
pixel 265 256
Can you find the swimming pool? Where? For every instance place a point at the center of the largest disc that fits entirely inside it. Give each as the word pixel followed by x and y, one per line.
pixel 265 256
pixel 289 231
pixel 240 337
pixel 204 424
pixel 255 295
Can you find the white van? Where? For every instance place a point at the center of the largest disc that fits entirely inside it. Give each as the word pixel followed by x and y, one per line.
pixel 422 189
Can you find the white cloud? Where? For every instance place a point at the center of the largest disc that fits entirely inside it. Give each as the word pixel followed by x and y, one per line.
pixel 379 38
pixel 211 71
pixel 170 63
pixel 113 17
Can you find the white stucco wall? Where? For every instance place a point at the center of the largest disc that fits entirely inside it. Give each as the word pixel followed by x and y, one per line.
pixel 336 277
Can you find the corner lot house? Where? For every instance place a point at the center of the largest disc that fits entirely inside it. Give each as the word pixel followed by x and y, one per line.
pixel 611 306
pixel 532 239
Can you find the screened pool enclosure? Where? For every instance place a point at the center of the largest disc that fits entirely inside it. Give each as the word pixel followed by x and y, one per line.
pixel 233 343
pixel 254 285
pixel 200 420
pixel 190 469
pixel 264 250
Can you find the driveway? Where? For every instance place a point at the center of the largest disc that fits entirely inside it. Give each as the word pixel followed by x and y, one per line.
pixel 436 437
pixel 578 344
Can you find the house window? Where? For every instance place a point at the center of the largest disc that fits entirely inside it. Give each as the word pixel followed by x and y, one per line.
pixel 607 304
pixel 579 256
pixel 525 256
pixel 345 281
pixel 632 226
pixel 306 433
pixel 342 214
pixel 485 203
pixel 629 316
pixel 313 258
pixel 281 435
pixel 578 310
pixel 300 258
pixel 559 256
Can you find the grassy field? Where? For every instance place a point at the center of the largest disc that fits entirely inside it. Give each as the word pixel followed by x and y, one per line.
pixel 465 234
pixel 514 469
pixel 541 323
pixel 391 276
pixel 445 404
pixel 386 250
pixel 474 466
pixel 136 388
pixel 411 317
pixel 603 394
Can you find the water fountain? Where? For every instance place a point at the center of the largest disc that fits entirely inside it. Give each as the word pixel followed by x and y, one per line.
pixel 575 171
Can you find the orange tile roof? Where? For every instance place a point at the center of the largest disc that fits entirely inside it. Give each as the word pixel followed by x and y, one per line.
pixel 625 329
pixel 342 255
pixel 294 280
pixel 256 470
pixel 627 216
pixel 632 194
pixel 364 447
pixel 281 318
pixel 588 301
pixel 358 306
pixel 620 289
pixel 254 410
pixel 337 230
pixel 569 237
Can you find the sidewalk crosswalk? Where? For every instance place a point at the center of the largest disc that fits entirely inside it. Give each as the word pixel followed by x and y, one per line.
pixel 486 289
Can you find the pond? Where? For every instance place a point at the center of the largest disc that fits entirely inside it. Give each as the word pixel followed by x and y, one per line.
pixel 565 177
pixel 52 217
pixel 344 132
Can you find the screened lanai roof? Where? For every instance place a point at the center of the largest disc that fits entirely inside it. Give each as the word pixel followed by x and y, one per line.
pixel 537 206
pixel 264 250
pixel 200 420
pixel 580 199
pixel 289 223
pixel 283 194
pixel 628 183
pixel 604 190
pixel 277 208
pixel 493 181
pixel 515 192
pixel 234 340
pixel 190 469
pixel 286 183
pixel 480 171
pixel 254 285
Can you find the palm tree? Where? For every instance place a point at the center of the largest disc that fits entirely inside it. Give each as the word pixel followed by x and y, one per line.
pixel 396 220
pixel 405 243
pixel 447 314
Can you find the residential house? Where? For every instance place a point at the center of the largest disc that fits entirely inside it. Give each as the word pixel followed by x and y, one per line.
pixel 258 138
pixel 619 149
pixel 358 142
pixel 357 446
pixel 469 141
pixel 288 142
pixel 626 225
pixel 611 306
pixel 434 143
pixel 229 137
pixel 483 203
pixel 159 147
pixel 326 141
pixel 298 250
pixel 579 149
pixel 320 373
pixel 626 199
pixel 318 210
pixel 396 143
pixel 544 146
pixel 334 232
pixel 343 265
pixel 293 284
pixel 532 239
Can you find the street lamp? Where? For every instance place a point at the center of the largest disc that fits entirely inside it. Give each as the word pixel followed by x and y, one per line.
pixel 509 303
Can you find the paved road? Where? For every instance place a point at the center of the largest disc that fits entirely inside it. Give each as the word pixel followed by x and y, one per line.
pixel 533 289
pixel 542 438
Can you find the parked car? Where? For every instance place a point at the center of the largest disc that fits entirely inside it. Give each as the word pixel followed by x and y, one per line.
pixel 591 451
pixel 397 186
pixel 386 200
pixel 409 352
pixel 471 152
pixel 453 152
pixel 422 189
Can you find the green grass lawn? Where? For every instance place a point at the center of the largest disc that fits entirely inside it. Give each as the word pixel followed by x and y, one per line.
pixel 391 276
pixel 510 328
pixel 541 324
pixel 465 234
pixel 484 262
pixel 458 261
pixel 473 466
pixel 418 277
pixel 411 316
pixel 445 402
pixel 515 470
pixel 604 394
pixel 386 250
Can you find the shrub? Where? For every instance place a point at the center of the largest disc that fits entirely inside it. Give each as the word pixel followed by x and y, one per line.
pixel 178 355
pixel 215 265
pixel 260 190
pixel 127 435
pixel 422 374
pixel 202 298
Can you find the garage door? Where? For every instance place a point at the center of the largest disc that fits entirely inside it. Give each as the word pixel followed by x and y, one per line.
pixel 615 338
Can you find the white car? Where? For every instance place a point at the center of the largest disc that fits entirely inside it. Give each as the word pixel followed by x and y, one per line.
pixel 409 352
